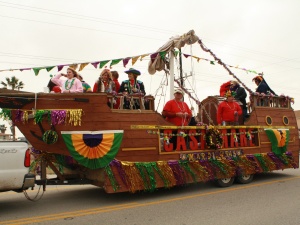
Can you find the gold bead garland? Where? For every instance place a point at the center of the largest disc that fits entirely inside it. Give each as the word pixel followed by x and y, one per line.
pixel 75 116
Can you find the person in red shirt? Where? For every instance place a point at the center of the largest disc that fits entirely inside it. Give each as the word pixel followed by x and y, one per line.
pixel 229 110
pixel 177 111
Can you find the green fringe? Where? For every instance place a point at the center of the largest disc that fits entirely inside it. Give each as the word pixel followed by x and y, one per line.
pixel 149 180
pixel 167 183
pixel 38 116
pixel 149 168
pixel 262 162
pixel 112 178
pixel 220 165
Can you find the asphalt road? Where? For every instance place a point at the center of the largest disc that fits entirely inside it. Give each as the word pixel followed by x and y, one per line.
pixel 272 198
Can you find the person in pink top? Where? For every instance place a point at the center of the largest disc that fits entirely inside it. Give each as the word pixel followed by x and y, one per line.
pixel 71 85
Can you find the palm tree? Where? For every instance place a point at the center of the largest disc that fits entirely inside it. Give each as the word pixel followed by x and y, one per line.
pixel 13 82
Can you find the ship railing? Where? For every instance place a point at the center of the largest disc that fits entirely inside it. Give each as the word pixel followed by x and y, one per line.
pixel 146 102
pixel 271 101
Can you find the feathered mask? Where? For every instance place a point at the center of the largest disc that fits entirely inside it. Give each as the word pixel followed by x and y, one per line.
pixel 230 94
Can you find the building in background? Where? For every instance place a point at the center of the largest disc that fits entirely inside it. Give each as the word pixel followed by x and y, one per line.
pixel 297 114
pixel 3 135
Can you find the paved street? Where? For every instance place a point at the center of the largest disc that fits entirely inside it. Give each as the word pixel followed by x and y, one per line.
pixel 271 198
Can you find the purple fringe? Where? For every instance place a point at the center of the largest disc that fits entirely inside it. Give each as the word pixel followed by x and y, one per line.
pixel 178 172
pixel 118 165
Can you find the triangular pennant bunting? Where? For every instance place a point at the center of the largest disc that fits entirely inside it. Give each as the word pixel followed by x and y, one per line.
pixel 134 59
pixel 125 61
pixel 114 62
pixel 102 63
pixel 82 65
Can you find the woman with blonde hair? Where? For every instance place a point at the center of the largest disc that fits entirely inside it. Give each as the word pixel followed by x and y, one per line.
pixel 105 82
pixel 71 85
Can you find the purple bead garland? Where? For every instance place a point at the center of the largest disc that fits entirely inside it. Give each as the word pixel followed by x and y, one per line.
pixel 19 116
pixel 178 172
pixel 58 117
pixel 278 163
pixel 118 165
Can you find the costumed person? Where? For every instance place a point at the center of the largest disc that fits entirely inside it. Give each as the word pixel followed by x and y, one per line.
pixel 71 85
pixel 115 76
pixel 105 82
pixel 240 95
pixel 86 87
pixel 262 86
pixel 224 87
pixel 177 112
pixel 130 87
pixel 229 111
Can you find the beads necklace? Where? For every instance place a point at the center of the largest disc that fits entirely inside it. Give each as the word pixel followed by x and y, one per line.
pixel 68 84
pixel 230 107
pixel 181 110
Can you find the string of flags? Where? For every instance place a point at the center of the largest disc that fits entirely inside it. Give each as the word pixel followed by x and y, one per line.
pixel 113 62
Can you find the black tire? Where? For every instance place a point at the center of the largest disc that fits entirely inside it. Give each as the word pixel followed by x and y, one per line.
pixel 226 182
pixel 244 179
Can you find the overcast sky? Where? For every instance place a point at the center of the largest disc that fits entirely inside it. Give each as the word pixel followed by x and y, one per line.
pixel 259 35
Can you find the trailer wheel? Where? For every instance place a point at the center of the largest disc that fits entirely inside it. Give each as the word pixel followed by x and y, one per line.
pixel 225 182
pixel 244 179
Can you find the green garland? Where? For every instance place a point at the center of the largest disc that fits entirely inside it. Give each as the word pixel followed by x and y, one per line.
pixel 50 137
pixel 112 178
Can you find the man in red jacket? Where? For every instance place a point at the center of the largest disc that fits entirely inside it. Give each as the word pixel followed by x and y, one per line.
pixel 229 110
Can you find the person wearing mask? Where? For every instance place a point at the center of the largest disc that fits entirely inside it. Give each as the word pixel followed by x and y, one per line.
pixel 228 111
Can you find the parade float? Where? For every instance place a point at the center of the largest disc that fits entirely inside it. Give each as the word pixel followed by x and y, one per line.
pixel 83 140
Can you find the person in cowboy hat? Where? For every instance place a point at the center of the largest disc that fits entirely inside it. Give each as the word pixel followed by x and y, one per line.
pixel 132 86
pixel 228 110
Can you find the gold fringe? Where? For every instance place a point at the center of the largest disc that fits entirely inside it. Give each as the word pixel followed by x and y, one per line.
pixel 167 173
pixel 133 178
